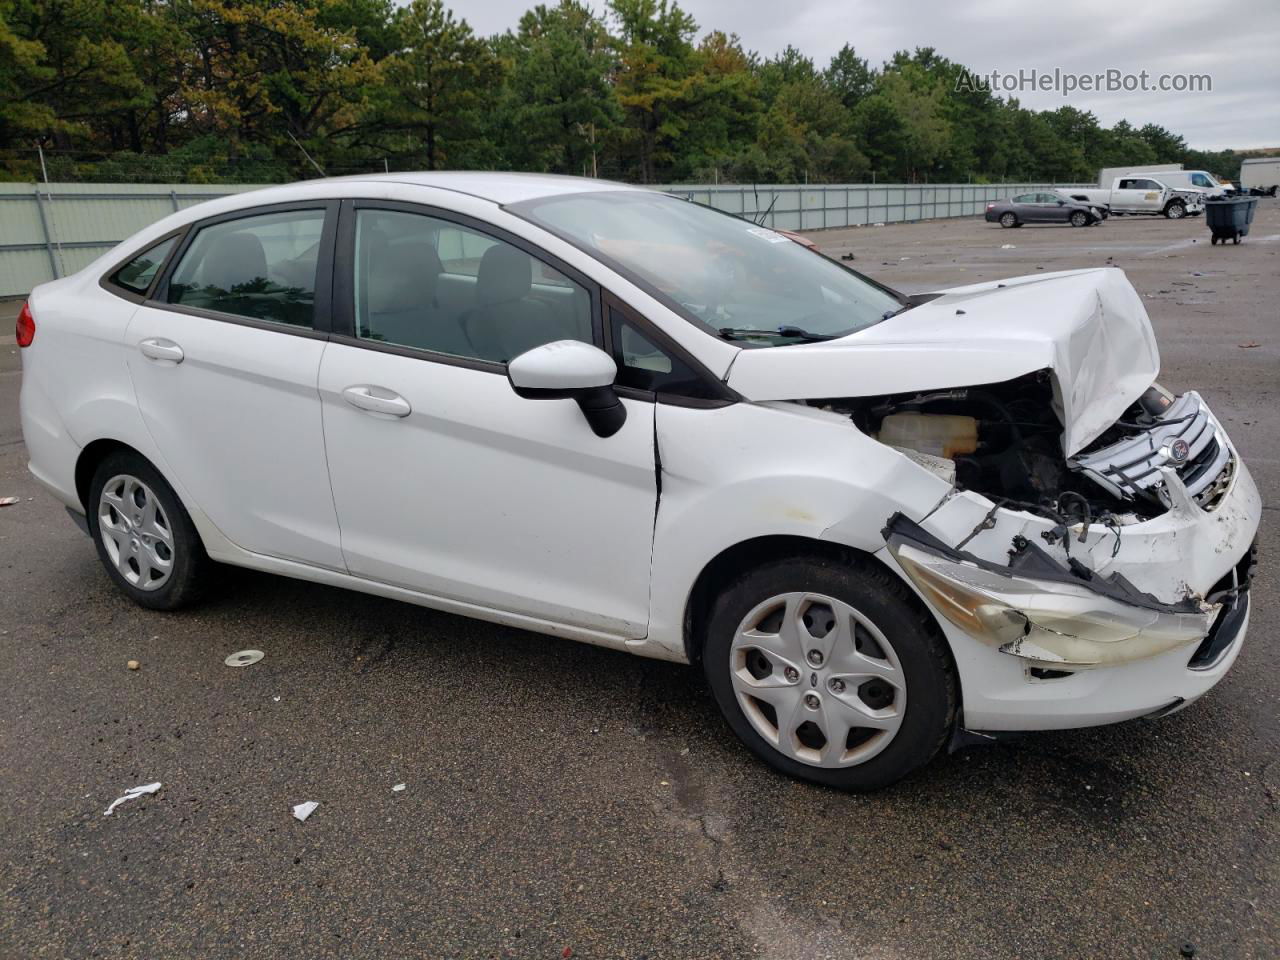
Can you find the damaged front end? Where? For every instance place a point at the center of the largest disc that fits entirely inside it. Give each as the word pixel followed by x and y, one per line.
pixel 1135 546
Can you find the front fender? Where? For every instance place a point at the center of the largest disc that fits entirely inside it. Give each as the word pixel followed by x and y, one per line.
pixel 747 470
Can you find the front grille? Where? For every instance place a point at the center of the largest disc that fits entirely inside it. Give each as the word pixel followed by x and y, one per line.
pixel 1131 467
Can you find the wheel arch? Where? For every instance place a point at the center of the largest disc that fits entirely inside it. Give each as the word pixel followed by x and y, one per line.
pixel 98 450
pixel 92 455
pixel 735 560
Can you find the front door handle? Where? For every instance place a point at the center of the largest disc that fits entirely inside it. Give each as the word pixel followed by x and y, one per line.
pixel 157 348
pixel 377 400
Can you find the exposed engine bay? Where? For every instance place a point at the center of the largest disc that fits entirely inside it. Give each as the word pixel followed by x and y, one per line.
pixel 1005 441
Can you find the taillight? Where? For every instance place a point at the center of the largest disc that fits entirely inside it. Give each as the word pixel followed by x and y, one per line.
pixel 26 327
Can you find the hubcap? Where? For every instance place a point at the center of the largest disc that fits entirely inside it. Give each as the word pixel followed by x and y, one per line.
pixel 135 532
pixel 818 680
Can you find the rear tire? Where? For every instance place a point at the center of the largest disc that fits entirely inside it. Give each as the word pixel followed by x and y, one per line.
pixel 143 535
pixel 828 672
pixel 1008 220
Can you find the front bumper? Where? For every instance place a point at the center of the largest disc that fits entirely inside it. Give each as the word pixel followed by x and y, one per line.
pixel 1136 620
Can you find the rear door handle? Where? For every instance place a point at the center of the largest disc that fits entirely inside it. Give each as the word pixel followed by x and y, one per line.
pixel 157 348
pixel 377 400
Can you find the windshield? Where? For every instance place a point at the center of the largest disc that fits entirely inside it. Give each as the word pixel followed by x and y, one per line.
pixel 744 282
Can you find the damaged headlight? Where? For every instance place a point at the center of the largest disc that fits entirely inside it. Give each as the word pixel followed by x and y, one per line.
pixel 1045 620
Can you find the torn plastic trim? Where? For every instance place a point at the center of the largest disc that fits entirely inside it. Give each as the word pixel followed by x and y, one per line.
pixel 1041 611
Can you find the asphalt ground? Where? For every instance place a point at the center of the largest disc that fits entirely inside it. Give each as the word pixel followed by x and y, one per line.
pixel 561 798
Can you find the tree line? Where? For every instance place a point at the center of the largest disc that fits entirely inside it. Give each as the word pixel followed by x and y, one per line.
pixel 269 90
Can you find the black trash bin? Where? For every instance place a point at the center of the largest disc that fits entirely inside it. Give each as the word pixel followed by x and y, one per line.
pixel 1229 219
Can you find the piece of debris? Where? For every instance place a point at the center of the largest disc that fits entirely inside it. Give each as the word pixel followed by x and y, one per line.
pixel 1248 346
pixel 881 224
pixel 847 256
pixel 8 501
pixel 133 793
pixel 567 952
pixel 1008 246
pixel 133 665
pixel 275 699
pixel 304 810
pixel 1187 949
pixel 243 658
pixel 398 787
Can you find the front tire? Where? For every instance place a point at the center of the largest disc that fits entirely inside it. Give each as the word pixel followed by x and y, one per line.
pixel 1175 211
pixel 828 672
pixel 143 535
pixel 1079 219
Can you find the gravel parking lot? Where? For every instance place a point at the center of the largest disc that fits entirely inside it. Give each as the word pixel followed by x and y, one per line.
pixel 564 800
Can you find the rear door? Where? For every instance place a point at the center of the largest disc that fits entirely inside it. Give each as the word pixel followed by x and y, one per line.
pixel 224 360
pixel 445 481
pixel 1024 207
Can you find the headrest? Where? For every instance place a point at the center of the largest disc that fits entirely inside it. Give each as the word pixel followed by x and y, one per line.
pixel 403 277
pixel 505 274
pixel 234 260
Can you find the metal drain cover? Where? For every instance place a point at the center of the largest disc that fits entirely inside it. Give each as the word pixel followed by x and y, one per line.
pixel 243 658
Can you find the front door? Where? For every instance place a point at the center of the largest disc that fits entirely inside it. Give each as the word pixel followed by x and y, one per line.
pixel 445 481
pixel 224 364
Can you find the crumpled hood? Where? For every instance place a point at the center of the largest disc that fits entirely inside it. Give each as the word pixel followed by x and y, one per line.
pixel 1088 327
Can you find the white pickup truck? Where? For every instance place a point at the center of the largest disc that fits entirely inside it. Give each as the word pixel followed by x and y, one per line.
pixel 1135 194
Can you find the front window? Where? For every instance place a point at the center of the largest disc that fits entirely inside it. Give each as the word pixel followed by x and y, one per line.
pixel 437 285
pixel 745 282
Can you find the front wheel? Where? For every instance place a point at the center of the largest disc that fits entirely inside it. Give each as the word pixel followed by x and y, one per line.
pixel 828 672
pixel 1008 220
pixel 144 536
pixel 1175 211
pixel 1079 219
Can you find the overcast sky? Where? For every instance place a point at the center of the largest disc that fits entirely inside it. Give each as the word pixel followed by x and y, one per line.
pixel 1236 43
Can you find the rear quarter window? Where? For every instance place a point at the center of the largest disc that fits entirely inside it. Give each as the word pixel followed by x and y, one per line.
pixel 137 275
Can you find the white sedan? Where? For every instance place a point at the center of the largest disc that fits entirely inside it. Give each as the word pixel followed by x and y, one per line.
pixel 602 413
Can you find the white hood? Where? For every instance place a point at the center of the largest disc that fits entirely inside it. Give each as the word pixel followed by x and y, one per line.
pixel 1088 327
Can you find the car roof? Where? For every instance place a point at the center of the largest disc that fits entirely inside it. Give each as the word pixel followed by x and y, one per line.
pixel 501 188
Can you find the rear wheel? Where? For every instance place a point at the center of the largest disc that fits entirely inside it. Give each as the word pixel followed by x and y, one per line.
pixel 1008 220
pixel 829 673
pixel 143 535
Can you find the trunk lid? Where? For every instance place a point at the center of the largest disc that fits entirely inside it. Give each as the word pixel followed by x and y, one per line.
pixel 1088 327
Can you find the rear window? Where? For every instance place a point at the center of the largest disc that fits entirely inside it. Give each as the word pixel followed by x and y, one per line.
pixel 137 275
pixel 263 267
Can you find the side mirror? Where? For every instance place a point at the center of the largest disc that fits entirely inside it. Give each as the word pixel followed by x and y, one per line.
pixel 571 369
pixel 1062 203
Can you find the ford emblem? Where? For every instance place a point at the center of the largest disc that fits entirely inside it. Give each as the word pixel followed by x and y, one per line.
pixel 1179 451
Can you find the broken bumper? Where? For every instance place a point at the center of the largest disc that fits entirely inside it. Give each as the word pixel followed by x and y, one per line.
pixel 1134 622
pixel 1051 623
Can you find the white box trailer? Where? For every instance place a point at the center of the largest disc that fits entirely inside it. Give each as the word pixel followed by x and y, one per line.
pixel 1261 172
pixel 1108 175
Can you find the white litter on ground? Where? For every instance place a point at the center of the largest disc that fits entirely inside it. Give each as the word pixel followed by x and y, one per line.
pixel 133 793
pixel 304 810
pixel 1008 246
pixel 8 501
pixel 398 787
pixel 243 658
